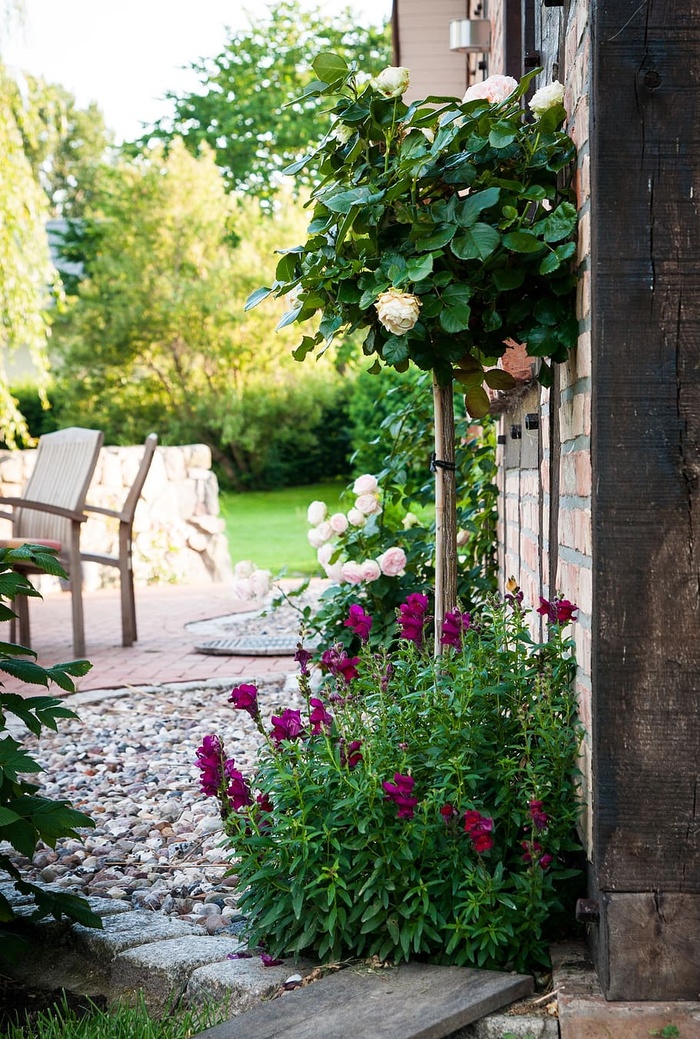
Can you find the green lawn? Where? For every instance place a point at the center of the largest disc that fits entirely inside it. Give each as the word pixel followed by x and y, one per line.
pixel 270 527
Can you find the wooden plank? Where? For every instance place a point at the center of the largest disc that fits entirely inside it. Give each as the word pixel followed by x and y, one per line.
pixel 412 1001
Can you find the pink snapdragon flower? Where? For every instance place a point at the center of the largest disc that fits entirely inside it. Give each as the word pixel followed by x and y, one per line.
pixel 286 726
pixel 245 698
pixel 359 621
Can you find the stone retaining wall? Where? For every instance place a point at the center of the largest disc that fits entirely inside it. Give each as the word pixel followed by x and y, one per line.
pixel 178 533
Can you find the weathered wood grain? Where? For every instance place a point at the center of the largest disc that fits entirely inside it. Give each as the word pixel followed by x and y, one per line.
pixel 413 1001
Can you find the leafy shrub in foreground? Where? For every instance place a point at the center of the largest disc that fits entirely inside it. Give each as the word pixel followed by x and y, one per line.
pixel 25 816
pixel 419 806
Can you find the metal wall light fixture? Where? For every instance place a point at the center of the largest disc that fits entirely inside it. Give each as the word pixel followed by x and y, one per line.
pixel 470 35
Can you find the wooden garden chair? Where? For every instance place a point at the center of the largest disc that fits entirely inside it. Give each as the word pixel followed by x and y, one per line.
pixel 50 512
pixel 123 560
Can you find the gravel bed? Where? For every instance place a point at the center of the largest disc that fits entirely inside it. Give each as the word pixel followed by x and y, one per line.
pixel 128 763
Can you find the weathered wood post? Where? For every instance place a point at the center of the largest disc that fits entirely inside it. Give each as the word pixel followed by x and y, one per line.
pixel 645 326
pixel 445 506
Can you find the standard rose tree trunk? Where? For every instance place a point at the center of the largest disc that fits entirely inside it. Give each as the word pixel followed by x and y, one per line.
pixel 445 507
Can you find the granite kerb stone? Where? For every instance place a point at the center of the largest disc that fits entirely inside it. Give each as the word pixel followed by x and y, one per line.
pixel 128 930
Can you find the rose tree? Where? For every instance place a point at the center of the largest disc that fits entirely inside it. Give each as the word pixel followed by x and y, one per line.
pixel 441 230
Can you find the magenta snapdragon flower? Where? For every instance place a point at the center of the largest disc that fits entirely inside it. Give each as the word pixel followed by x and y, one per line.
pixel 453 626
pixel 210 762
pixel 540 819
pixel 237 790
pixel 286 726
pixel 359 621
pixel 401 793
pixel 557 611
pixel 532 851
pixel 479 827
pixel 412 617
pixel 319 718
pixel 350 753
pixel 339 663
pixel 245 698
pixel 303 658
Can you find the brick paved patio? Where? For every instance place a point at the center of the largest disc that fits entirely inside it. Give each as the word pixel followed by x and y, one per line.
pixel 164 652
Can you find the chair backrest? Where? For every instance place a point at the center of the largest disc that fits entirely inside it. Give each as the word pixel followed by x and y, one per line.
pixel 132 498
pixel 65 463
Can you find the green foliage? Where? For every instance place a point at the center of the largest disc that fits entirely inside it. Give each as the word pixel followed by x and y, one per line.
pixel 120 1021
pixel 25 816
pixel 26 272
pixel 470 863
pixel 402 447
pixel 460 214
pixel 249 107
pixel 64 144
pixel 154 336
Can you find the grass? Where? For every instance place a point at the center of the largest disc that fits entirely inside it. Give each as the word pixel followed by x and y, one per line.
pixel 270 527
pixel 64 1021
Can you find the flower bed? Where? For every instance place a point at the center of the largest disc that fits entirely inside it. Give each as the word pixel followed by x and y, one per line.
pixel 417 807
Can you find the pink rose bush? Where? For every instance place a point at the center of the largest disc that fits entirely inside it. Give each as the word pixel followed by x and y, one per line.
pixel 361 551
pixel 250 582
pixel 460 770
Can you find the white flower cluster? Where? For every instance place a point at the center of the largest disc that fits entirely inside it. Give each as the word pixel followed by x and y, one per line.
pixel 325 528
pixel 249 582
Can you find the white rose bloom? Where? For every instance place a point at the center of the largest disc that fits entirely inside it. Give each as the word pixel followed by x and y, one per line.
pixel 316 512
pixel 494 89
pixel 341 132
pixel 356 518
pixel 325 553
pixel 334 571
pixel 366 484
pixel 410 520
pixel 243 588
pixel 261 582
pixel 397 311
pixel 546 98
pixel 243 569
pixel 392 81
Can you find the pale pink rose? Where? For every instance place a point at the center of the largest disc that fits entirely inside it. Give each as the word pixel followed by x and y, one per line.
pixel 243 588
pixel 338 522
pixel 243 569
pixel 319 535
pixel 366 484
pixel 325 553
pixel 351 572
pixel 392 562
pixel 316 512
pixel 356 518
pixel 334 571
pixel 494 89
pixel 261 581
pixel 368 505
pixel 371 570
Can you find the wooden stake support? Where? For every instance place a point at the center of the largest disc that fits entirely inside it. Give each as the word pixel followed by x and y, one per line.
pixel 445 506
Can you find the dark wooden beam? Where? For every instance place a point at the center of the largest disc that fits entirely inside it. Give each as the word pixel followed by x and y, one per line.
pixel 645 161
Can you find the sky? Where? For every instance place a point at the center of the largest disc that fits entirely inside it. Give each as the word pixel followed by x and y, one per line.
pixel 125 55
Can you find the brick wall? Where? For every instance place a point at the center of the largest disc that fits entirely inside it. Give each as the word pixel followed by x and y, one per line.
pixel 545 473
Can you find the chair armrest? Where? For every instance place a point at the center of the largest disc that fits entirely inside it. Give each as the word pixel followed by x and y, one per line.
pixel 102 511
pixel 43 506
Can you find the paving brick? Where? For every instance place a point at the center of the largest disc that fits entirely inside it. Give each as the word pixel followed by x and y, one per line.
pixel 240 984
pixel 126 931
pixel 163 969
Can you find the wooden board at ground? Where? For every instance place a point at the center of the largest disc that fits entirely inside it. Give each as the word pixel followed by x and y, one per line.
pixel 412 1001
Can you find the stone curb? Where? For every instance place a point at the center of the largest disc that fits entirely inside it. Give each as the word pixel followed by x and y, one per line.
pixel 170 960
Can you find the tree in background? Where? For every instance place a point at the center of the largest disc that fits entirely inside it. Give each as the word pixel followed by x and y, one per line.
pixel 155 336
pixel 26 271
pixel 64 144
pixel 241 110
